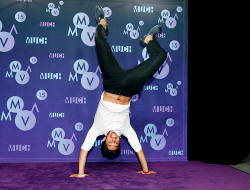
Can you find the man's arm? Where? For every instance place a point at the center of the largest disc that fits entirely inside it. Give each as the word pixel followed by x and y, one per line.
pixel 135 144
pixel 144 164
pixel 143 161
pixel 81 164
pixel 82 161
pixel 88 143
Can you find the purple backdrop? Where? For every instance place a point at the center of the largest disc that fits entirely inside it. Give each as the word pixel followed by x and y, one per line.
pixel 51 82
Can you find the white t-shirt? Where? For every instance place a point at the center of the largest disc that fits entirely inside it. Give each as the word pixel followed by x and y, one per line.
pixel 110 116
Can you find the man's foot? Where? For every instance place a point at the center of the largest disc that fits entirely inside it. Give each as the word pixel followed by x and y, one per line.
pixel 99 14
pixel 153 32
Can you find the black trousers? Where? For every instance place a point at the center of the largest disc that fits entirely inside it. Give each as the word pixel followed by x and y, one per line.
pixel 126 82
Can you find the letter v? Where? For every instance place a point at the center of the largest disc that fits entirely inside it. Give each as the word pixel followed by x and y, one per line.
pixel 25 122
pixel 158 142
pixel 160 69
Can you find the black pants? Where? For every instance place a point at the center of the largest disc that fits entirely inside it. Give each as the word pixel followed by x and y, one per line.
pixel 126 82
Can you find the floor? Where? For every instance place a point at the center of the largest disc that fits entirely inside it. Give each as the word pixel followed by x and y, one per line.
pixel 186 175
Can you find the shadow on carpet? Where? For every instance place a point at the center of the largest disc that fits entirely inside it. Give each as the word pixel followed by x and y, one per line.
pixel 185 175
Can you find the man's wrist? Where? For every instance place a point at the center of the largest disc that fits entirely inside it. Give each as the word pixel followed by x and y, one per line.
pixel 81 175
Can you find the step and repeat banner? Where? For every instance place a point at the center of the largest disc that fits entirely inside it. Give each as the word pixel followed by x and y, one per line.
pixel 51 82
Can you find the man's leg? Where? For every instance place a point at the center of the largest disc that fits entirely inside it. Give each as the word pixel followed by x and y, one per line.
pixel 108 63
pixel 140 74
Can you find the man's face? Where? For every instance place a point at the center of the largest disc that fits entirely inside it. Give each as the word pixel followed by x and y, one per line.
pixel 112 140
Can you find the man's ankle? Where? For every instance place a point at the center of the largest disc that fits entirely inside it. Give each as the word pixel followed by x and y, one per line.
pixel 103 23
pixel 148 38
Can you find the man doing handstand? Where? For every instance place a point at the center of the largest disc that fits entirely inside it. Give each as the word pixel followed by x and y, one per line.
pixel 112 115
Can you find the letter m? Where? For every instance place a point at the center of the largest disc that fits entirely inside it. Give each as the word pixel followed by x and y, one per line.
pixel 15 105
pixel 58 135
pixel 51 144
pixel 5 117
pixel 10 148
pixel 73 78
pixel 81 21
pixel 72 33
pixel 160 20
pixel 135 9
pixel 15 66
pixel 150 130
pixel 8 74
pixel 81 67
pixel 144 140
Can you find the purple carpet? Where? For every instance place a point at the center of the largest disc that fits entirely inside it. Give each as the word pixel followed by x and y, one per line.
pixel 113 175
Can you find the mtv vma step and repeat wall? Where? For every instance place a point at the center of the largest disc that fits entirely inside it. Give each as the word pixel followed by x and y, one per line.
pixel 51 82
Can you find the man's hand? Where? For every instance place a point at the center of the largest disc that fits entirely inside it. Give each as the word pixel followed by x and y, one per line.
pixel 149 172
pixel 76 175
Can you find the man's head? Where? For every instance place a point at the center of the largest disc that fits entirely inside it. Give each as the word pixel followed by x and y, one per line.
pixel 111 145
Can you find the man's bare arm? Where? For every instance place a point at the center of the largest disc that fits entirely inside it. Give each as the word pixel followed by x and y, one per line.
pixel 81 164
pixel 144 163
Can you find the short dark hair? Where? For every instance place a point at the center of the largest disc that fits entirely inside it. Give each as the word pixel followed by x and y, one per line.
pixel 110 154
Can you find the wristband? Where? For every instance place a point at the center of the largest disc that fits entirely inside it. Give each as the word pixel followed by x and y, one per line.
pixel 81 175
pixel 146 172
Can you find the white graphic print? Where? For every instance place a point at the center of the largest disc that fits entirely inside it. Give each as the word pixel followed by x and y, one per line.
pixel 163 71
pixel 22 76
pixel 53 10
pixel 158 141
pixel 65 146
pixel 81 21
pixel 25 120
pixel 171 90
pixel 89 80
pixel 7 41
pixel 165 18
pixel 134 34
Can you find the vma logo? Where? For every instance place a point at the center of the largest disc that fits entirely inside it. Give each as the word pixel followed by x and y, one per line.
pixel 81 21
pixel 169 21
pixel 54 11
pixel 89 80
pixel 65 146
pixel 134 34
pixel 7 41
pixel 158 141
pixel 143 9
pixel 163 71
pixel 171 90
pixel 25 120
pixel 22 77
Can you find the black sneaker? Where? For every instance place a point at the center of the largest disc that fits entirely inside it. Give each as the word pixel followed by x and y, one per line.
pixel 99 14
pixel 153 32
